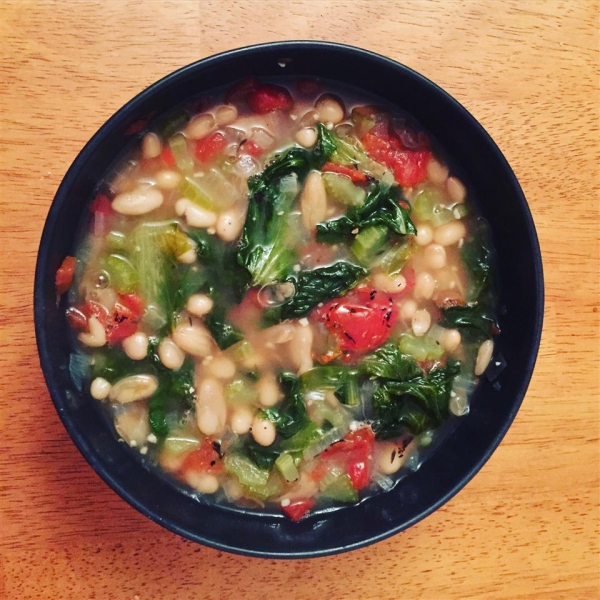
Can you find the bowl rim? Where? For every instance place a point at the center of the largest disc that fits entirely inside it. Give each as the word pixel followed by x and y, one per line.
pixel 45 354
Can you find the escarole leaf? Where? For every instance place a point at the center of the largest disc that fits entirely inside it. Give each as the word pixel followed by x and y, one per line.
pixel 390 363
pixel 264 249
pixel 381 207
pixel 290 417
pixel 321 284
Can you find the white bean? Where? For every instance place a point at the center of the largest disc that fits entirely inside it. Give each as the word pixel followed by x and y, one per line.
pixel 100 388
pixel 199 304
pixel 96 337
pixel 133 388
pixel 306 137
pixel 424 285
pixel 313 201
pixel 308 119
pixel 195 215
pixel 170 354
pixel 221 367
pixel 437 172
pixel 205 483
pixel 226 114
pixel 194 339
pixel 392 457
pixel 424 235
pixel 138 202
pixel 167 179
pixel 389 285
pixel 421 322
pixel 263 431
pixel 230 224
pixel 434 256
pixel 132 425
pixel 408 309
pixel 188 257
pixel 484 355
pixel 301 348
pixel 330 109
pixel 450 233
pixel 211 408
pixel 450 339
pixel 241 420
pixel 136 346
pixel 151 146
pixel 456 190
pixel 268 390
pixel 200 126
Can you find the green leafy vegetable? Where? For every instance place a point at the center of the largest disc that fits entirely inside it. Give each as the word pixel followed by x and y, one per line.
pixel 325 147
pixel 390 363
pixel 381 207
pixel 319 285
pixel 476 255
pixel 290 417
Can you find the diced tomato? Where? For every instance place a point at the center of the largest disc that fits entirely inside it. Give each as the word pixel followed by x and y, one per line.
pixel 208 148
pixel 355 175
pixel 268 98
pixel 249 147
pixel 297 509
pixel 308 87
pixel 124 319
pixel 205 459
pixel 134 303
pixel 239 92
pixel 360 321
pixel 101 204
pixel 64 275
pixel 167 156
pixel 94 309
pixel 77 320
pixel 408 166
pixel 355 451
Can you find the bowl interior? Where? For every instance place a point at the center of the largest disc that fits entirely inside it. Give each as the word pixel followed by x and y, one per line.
pixel 500 200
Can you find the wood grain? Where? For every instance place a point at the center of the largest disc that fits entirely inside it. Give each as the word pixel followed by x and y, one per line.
pixel 527 525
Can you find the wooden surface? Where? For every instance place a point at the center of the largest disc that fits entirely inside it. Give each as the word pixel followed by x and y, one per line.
pixel 527 525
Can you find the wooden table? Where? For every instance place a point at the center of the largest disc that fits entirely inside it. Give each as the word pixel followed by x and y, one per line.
pixel 527 525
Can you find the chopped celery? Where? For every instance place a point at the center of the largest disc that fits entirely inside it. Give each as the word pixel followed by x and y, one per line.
pixel 420 348
pixel 342 190
pixel 329 477
pixel 190 189
pixel 341 490
pixel 325 377
pixel 273 487
pixel 369 242
pixel 321 411
pixel 425 202
pixel 441 214
pixel 307 436
pixel 394 260
pixel 351 153
pixel 179 148
pixel 176 444
pixel 116 241
pixel 246 471
pixel 287 467
pixel 175 242
pixel 123 276
pixel 240 391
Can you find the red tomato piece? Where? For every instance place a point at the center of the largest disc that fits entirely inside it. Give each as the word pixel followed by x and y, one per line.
pixel 239 92
pixel 77 320
pixel 101 204
pixel 93 309
pixel 297 509
pixel 268 98
pixel 167 156
pixel 205 459
pixel 208 148
pixel 123 321
pixel 355 175
pixel 408 166
pixel 360 321
pixel 134 303
pixel 249 147
pixel 64 275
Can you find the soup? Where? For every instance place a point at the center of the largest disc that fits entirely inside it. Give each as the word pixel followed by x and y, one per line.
pixel 283 298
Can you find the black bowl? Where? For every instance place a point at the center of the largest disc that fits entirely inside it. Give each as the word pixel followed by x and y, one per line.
pixel 500 199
